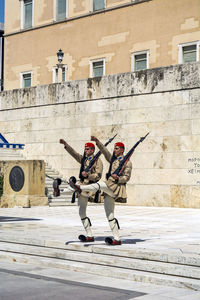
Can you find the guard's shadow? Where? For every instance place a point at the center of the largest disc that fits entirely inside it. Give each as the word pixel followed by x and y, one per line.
pixel 16 219
pixel 102 238
pixel 85 244
pixel 133 241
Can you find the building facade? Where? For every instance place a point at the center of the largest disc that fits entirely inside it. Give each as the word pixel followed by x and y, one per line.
pixel 97 37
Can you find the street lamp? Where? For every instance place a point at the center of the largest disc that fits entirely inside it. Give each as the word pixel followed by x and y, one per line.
pixel 60 55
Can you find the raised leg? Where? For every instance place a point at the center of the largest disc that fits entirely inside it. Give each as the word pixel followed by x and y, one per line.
pixel 94 187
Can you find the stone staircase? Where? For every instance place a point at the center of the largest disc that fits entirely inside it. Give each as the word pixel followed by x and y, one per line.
pixel 138 265
pixel 50 174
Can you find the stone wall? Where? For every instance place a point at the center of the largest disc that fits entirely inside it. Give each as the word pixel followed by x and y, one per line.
pixel 163 101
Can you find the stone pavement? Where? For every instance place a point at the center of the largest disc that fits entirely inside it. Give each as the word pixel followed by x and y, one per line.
pixel 159 234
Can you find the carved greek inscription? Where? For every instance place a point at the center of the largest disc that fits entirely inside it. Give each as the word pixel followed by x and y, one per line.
pixel 195 167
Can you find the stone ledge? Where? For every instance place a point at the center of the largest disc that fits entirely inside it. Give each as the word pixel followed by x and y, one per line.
pixel 158 80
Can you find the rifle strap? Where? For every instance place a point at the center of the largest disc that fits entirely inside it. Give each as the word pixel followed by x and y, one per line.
pixel 82 167
pixel 110 167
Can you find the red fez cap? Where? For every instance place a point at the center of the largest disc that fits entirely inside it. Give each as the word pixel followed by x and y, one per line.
pixel 90 145
pixel 119 144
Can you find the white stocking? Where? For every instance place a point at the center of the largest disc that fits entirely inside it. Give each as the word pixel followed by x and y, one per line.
pixel 109 205
pixel 82 203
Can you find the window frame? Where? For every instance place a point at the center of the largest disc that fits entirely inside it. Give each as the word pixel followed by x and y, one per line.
pixel 23 15
pixel 54 79
pixel 56 13
pixel 54 74
pixel 91 67
pixel 180 51
pixel 22 79
pixel 134 54
pixel 92 6
pixel 64 67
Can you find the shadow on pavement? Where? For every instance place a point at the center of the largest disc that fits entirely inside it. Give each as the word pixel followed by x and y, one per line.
pixel 133 241
pixel 102 238
pixel 16 219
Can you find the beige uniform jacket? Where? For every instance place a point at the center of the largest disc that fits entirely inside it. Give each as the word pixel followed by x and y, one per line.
pixel 119 188
pixel 95 172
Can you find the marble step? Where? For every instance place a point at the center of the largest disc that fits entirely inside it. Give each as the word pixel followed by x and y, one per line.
pixel 166 256
pixel 10 154
pixel 5 151
pixel 10 157
pixel 60 202
pixel 52 173
pixel 49 181
pixel 105 259
pixel 111 266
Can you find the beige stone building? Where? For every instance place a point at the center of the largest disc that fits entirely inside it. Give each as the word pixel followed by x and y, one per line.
pixel 97 37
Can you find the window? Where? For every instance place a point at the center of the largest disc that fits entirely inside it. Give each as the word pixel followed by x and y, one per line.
pixel 98 5
pixel 64 72
pixel 60 9
pixel 140 61
pixel 26 79
pixel 97 68
pixel 55 75
pixel 26 14
pixel 56 72
pixel 189 52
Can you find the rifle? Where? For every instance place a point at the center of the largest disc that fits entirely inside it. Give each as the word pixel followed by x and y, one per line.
pixel 97 155
pixel 127 156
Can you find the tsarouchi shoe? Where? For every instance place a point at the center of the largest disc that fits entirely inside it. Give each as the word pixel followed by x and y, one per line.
pixel 72 183
pixel 86 239
pixel 112 242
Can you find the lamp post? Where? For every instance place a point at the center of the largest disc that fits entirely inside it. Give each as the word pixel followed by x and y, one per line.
pixel 60 55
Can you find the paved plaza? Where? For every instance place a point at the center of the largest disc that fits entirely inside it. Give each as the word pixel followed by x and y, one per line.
pixel 166 231
pixel 171 229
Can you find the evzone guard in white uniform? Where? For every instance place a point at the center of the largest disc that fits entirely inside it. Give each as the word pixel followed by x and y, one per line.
pixel 113 188
pixel 86 178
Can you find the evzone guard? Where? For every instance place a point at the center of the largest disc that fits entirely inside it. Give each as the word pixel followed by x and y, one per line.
pixel 87 176
pixel 113 188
